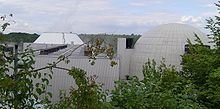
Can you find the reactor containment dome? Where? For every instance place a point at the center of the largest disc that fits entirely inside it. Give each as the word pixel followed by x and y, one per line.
pixel 167 41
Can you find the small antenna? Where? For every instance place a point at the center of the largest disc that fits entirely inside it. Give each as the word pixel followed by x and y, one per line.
pixel 64 41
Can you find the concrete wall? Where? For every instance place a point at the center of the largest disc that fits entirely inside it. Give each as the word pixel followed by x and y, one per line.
pixel 125 57
pixel 62 81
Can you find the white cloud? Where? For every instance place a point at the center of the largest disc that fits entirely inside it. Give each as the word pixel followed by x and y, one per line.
pixel 45 15
pixel 141 3
pixel 196 21
pixel 211 6
pixel 92 16
pixel 101 23
pixel 192 19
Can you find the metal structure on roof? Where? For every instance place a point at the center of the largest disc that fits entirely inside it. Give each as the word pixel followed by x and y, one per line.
pixel 59 38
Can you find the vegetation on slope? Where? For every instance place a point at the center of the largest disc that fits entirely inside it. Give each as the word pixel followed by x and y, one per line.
pixel 20 37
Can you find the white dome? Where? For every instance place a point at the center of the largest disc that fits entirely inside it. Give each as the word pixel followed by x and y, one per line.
pixel 166 41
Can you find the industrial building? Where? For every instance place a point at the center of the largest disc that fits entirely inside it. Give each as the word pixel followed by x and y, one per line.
pixel 167 41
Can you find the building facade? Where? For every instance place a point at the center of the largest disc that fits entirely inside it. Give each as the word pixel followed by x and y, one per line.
pixel 166 41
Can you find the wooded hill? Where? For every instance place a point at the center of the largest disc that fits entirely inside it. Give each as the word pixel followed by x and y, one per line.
pixel 109 38
pixel 20 37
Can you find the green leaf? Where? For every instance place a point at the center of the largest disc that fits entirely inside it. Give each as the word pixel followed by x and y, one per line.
pixel 39 91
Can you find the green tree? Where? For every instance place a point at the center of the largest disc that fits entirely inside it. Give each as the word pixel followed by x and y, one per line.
pixel 20 37
pixel 201 66
pixel 214 27
pixel 88 95
pixel 162 87
pixel 18 89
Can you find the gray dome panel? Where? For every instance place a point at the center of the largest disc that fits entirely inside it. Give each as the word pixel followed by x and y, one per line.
pixel 166 41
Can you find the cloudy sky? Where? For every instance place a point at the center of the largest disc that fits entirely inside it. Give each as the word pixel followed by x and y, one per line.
pixel 104 16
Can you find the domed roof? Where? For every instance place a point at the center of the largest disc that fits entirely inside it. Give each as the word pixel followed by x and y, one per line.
pixel 166 41
pixel 172 30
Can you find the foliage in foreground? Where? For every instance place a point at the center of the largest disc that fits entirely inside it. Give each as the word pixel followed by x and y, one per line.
pixel 197 86
pixel 88 95
pixel 17 89
pixel 161 87
pixel 202 67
